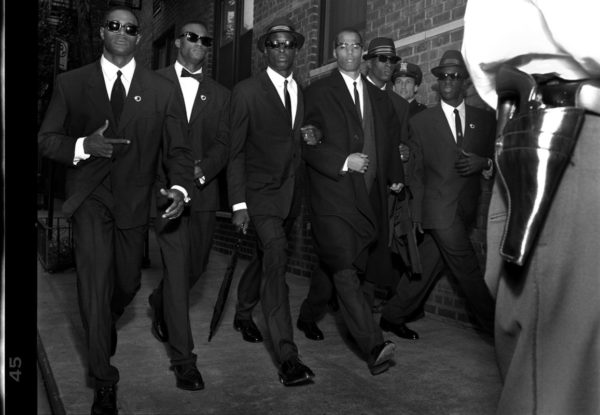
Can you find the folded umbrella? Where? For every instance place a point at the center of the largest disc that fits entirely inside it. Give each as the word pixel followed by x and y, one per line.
pixel 402 240
pixel 224 289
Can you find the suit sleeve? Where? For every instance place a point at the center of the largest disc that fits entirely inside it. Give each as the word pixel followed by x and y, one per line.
pixel 326 158
pixel 416 187
pixel 218 154
pixel 176 151
pixel 236 168
pixel 53 141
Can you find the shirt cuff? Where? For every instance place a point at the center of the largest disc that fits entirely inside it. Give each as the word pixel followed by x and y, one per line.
pixel 345 166
pixel 239 206
pixel 186 198
pixel 79 152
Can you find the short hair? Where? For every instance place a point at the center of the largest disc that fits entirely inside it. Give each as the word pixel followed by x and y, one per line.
pixel 347 29
pixel 193 21
pixel 119 7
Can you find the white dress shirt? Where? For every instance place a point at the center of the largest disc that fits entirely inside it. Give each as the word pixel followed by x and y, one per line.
pixel 449 113
pixel 292 87
pixel 359 86
pixel 189 87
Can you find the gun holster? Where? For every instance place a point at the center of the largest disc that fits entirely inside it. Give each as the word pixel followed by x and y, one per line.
pixel 538 126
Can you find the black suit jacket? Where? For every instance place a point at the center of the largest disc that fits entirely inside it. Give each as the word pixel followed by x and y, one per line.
pixel 80 105
pixel 207 133
pixel 330 108
pixel 265 160
pixel 439 191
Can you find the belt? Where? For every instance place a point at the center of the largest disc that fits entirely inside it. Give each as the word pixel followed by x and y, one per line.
pixel 580 94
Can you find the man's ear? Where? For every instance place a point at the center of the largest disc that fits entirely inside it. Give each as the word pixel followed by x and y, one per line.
pixel 178 43
pixel 137 39
pixel 102 33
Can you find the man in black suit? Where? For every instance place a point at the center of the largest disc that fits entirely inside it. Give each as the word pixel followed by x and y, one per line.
pixel 263 180
pixel 454 145
pixel 109 181
pixel 351 172
pixel 185 243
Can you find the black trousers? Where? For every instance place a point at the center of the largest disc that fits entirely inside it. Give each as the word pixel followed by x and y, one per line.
pixel 453 248
pixel 185 245
pixel 108 266
pixel 270 261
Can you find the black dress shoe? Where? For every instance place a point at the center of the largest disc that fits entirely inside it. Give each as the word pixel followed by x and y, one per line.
pixel 113 339
pixel 188 377
pixel 379 359
pixel 249 331
pixel 310 329
pixel 105 401
pixel 159 326
pixel 399 330
pixel 293 373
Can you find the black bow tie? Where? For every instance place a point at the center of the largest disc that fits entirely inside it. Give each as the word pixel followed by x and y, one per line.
pixel 197 76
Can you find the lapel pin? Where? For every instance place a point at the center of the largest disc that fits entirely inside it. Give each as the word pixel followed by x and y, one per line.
pixel 472 126
pixel 137 98
pixel 203 97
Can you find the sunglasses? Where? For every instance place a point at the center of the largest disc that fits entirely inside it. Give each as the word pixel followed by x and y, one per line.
pixel 452 76
pixel 392 59
pixel 193 37
pixel 276 44
pixel 115 26
pixel 353 46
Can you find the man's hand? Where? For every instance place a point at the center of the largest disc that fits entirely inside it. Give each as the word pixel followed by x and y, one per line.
pixel 241 219
pixel 397 187
pixel 198 173
pixel 358 162
pixel 176 208
pixel 404 152
pixel 97 145
pixel 469 163
pixel 311 135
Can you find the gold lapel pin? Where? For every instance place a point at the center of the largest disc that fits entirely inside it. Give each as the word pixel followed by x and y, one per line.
pixel 203 97
pixel 137 98
pixel 472 126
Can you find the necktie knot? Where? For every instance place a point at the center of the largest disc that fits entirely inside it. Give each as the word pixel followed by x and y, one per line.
pixel 197 76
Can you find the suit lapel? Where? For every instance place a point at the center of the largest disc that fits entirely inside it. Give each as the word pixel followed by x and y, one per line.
pixel 343 95
pixel 299 108
pixel 201 100
pixel 272 95
pixel 442 120
pixel 135 95
pixel 99 96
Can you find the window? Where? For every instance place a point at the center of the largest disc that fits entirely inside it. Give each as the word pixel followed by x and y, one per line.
pixel 336 15
pixel 163 49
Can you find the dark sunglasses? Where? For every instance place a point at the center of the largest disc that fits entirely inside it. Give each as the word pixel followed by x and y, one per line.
pixel 286 44
pixel 393 59
pixel 452 76
pixel 115 26
pixel 193 37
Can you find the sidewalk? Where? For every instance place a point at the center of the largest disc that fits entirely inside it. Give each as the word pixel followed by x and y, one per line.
pixel 450 370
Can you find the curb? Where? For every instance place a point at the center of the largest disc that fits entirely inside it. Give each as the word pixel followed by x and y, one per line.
pixel 56 403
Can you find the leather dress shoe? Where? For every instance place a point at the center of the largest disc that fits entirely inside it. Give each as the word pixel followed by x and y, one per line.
pixel 399 330
pixel 113 339
pixel 293 372
pixel 310 329
pixel 159 326
pixel 249 331
pixel 188 377
pixel 105 401
pixel 379 359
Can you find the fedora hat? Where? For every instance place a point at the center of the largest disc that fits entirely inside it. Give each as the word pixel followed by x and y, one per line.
pixel 409 70
pixel 280 25
pixel 380 46
pixel 451 59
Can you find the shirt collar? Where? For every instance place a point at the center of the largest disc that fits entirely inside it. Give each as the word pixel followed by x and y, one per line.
pixel 449 109
pixel 277 79
pixel 350 82
pixel 179 67
pixel 109 69
pixel 371 81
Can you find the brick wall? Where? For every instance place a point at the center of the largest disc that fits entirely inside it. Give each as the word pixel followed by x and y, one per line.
pixel 422 30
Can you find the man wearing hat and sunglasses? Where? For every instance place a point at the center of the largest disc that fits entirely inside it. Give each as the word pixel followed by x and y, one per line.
pixel 263 177
pixel 406 80
pixel 108 121
pixel 454 145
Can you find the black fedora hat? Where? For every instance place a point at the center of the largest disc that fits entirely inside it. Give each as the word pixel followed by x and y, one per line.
pixel 451 59
pixel 380 46
pixel 280 25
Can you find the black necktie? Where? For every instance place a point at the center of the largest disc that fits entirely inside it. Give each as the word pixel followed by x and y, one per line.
pixel 288 100
pixel 357 102
pixel 117 97
pixel 197 76
pixel 458 125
